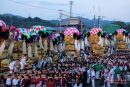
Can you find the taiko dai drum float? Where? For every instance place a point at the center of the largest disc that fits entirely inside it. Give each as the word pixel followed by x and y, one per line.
pixel 37 39
pixel 97 40
pixel 13 38
pixel 121 38
pixel 24 35
pixel 4 34
pixel 72 40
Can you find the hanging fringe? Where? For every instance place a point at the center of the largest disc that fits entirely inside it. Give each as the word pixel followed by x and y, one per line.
pixel 124 38
pixel 112 42
pixel 36 51
pixel 29 51
pixel 24 48
pixel 45 45
pixel 86 41
pixel 40 43
pixel 103 39
pixel 78 46
pixel 106 42
pixel 51 45
pixel 82 44
pixel 128 40
pixel 100 41
pixel 2 47
pixel 10 49
pixel 114 38
pixel 75 44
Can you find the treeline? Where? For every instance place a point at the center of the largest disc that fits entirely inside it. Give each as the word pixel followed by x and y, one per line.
pixel 122 25
pixel 19 21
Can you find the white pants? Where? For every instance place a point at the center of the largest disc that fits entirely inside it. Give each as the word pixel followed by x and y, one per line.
pixel 88 80
pixel 93 82
pixel 97 74
pixel 108 84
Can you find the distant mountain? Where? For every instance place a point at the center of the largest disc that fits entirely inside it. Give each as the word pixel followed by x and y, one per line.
pixel 87 22
pixel 10 15
pixel 20 21
pixel 56 22
pixel 90 23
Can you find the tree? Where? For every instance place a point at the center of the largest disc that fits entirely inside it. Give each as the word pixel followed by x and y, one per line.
pixel 120 23
pixel 128 27
pixel 24 22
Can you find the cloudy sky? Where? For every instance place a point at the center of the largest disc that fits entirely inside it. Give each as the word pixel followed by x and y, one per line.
pixel 48 9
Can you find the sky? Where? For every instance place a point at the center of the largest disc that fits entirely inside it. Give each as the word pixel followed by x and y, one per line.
pixel 115 10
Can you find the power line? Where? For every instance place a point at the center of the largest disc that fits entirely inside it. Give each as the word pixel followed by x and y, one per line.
pixel 41 7
pixel 25 4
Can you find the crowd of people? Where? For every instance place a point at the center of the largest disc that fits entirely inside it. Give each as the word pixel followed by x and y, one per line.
pixel 88 71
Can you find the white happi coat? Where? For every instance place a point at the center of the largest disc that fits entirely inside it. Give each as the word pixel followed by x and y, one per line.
pixel 23 63
pixel 12 65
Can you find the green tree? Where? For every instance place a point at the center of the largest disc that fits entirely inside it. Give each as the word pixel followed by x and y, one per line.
pixel 128 27
pixel 120 23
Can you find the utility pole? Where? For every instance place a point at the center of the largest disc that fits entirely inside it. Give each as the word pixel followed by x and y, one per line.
pixel 99 20
pixel 81 26
pixel 99 17
pixel 94 19
pixel 71 3
pixel 60 11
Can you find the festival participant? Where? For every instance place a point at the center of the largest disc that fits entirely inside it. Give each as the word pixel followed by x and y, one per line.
pixel 121 65
pixel 28 80
pixel 22 81
pixel 93 77
pixel 121 81
pixel 23 63
pixel 9 81
pixel 15 81
pixel 89 75
pixel 13 66
pixel 125 64
pixel 109 80
pixel 84 78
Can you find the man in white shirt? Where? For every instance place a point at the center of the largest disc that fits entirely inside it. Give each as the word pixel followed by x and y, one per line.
pixel 8 81
pixel 93 77
pixel 89 75
pixel 23 63
pixel 15 81
pixel 13 66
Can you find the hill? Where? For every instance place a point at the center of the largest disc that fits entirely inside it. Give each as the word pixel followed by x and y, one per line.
pixel 20 21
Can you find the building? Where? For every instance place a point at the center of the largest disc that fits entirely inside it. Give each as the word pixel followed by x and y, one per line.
pixel 73 22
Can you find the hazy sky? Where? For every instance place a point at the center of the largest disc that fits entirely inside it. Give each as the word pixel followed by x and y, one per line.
pixel 48 9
